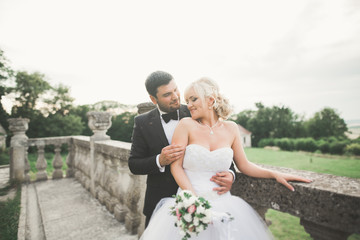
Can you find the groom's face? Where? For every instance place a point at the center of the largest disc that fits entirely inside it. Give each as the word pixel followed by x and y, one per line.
pixel 167 97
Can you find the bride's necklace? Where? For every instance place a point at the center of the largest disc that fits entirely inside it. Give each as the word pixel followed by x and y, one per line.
pixel 211 128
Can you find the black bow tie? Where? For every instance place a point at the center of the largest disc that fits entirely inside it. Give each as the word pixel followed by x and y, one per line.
pixel 168 116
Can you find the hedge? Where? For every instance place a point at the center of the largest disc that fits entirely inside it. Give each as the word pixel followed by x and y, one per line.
pixel 325 145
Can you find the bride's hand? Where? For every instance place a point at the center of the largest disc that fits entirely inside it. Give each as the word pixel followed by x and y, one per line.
pixel 283 178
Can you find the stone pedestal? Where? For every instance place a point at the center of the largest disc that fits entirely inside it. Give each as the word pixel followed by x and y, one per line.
pixel 99 123
pixel 70 172
pixel 18 148
pixel 145 107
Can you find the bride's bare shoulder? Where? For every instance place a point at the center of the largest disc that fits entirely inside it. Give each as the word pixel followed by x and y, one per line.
pixel 188 121
pixel 230 124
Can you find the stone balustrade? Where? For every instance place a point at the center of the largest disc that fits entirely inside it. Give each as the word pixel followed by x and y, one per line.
pixel 111 181
pixel 41 164
pixel 329 207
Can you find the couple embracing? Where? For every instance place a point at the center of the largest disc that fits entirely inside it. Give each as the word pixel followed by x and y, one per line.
pixel 193 148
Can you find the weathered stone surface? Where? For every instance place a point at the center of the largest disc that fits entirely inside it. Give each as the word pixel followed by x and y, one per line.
pixel 69 212
pixel 329 201
pixel 99 123
pixel 18 148
pixel 145 107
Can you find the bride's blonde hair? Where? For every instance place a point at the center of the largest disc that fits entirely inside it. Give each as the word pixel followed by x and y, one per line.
pixel 206 88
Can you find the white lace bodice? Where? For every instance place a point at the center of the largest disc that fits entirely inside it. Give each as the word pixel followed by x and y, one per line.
pixel 200 165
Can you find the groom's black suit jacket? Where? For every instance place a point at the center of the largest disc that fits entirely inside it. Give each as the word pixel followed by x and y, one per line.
pixel 147 142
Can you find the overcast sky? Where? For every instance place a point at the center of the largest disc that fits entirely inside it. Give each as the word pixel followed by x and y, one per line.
pixel 303 54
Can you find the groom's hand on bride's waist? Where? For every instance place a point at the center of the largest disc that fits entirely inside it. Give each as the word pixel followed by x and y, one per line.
pixel 171 153
pixel 224 180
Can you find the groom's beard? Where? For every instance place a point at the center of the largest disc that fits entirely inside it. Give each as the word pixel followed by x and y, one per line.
pixel 173 106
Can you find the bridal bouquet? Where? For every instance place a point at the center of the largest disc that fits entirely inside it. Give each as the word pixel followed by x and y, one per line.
pixel 192 213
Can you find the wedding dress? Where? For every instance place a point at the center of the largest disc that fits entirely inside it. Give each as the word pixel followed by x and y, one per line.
pixel 200 165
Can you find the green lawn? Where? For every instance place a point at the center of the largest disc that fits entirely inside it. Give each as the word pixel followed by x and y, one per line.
pixel 9 213
pixel 285 226
pixel 336 165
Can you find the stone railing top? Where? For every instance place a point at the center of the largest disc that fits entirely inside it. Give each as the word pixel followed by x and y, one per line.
pixel 49 140
pixel 329 200
pixel 116 144
pixel 324 182
pixel 82 138
pixel 115 149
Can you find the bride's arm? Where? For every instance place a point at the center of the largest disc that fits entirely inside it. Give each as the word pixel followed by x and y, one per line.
pixel 180 137
pixel 251 169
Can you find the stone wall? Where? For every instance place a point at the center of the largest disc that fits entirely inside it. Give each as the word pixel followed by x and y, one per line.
pixel 111 181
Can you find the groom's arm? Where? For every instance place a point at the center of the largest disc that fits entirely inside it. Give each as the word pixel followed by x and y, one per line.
pixel 224 179
pixel 141 162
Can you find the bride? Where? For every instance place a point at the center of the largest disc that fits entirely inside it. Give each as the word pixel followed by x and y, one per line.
pixel 212 144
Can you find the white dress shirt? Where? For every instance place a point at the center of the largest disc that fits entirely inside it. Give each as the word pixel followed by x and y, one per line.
pixel 169 129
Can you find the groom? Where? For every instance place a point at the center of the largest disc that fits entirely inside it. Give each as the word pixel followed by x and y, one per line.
pixel 151 150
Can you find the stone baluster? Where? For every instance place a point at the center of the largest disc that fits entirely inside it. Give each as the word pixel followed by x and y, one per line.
pixel 41 163
pixel 58 163
pixel 70 172
pixel 99 123
pixel 132 218
pixel 27 168
pixel 18 148
pixel 113 173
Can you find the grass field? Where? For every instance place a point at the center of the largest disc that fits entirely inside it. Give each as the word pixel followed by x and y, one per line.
pixel 9 213
pixel 331 164
pixel 285 226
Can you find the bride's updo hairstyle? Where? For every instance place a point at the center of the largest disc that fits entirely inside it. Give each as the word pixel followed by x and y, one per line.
pixel 205 87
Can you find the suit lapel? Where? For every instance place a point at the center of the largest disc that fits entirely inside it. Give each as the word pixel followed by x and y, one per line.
pixel 156 126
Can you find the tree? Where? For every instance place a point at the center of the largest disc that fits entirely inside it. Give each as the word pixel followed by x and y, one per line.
pixel 29 88
pixel 58 125
pixel 274 122
pixel 60 101
pixel 6 73
pixel 122 127
pixel 81 111
pixel 243 117
pixel 326 123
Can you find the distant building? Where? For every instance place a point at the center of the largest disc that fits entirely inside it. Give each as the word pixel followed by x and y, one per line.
pixel 2 138
pixel 245 136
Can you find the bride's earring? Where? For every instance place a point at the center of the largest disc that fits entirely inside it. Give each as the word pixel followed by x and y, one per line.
pixel 213 104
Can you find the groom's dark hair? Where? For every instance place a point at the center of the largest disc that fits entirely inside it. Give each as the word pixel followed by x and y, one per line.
pixel 155 80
